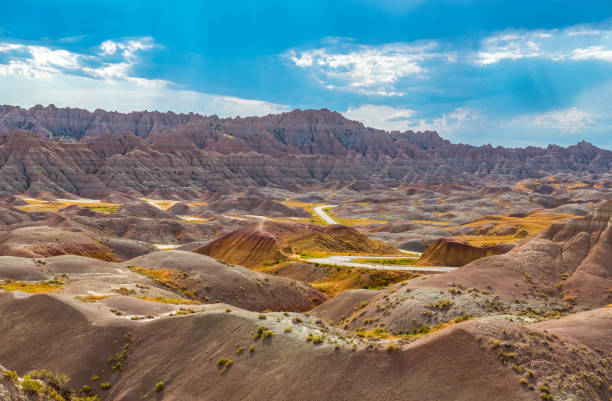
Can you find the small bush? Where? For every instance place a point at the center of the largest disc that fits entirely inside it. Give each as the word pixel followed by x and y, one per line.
pixel 160 386
pixel 443 304
pixel 105 386
pixel 363 304
pixel 224 363
pixel 252 348
pixel 317 339
pixel 259 332
pixel 11 375
pixel 394 348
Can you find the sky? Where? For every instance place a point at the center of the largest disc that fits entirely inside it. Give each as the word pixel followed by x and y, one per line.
pixel 511 73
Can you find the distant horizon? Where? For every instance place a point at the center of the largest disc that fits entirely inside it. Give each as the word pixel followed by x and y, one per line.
pixel 298 109
pixel 512 73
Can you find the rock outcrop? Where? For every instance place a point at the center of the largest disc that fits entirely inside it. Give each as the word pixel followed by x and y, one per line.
pixel 450 251
pixel 47 149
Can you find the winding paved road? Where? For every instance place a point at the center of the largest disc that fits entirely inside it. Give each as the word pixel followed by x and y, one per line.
pixel 344 260
pixel 319 210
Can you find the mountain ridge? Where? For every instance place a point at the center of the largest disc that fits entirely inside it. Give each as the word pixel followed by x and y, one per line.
pixel 189 154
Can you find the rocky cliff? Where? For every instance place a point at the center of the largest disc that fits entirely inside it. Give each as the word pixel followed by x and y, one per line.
pixel 48 149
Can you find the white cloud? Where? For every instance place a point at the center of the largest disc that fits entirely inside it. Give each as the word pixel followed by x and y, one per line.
pixel 571 120
pixel 575 43
pixel 593 53
pixel 394 69
pixel 371 70
pixel 381 116
pixel 452 122
pixel 402 119
pixel 40 75
pixel 108 47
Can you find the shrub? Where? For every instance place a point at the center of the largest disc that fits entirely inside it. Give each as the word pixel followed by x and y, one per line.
pixel 317 340
pixel 443 304
pixel 11 375
pixel 30 385
pixel 224 363
pixel 105 386
pixel 394 348
pixel 259 332
pixel 159 387
pixel 288 330
pixel 252 348
pixel 363 304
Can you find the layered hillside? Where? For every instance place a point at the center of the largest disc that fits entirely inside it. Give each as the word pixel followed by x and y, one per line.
pixel 241 355
pixel 93 154
pixel 456 252
pixel 271 242
pixel 563 270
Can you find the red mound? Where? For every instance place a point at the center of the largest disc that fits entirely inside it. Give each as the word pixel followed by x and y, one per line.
pixel 36 242
pixel 450 251
pixel 264 242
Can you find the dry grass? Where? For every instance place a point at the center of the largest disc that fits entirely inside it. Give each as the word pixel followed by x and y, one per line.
pixel 170 278
pixel 92 298
pixel 197 203
pixel 172 301
pixel 192 219
pixel 431 222
pixel 37 205
pixel 533 224
pixel 161 204
pixel 31 287
pixel 339 280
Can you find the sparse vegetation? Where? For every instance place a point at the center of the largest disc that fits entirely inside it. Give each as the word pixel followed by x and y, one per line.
pixel 32 287
pixel 224 364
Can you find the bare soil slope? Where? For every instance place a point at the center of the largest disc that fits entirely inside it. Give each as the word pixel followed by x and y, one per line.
pixel 208 280
pixel 269 241
pixel 34 242
pixel 471 360
pixel 451 251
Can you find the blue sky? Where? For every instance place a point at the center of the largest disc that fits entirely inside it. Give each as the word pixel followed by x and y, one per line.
pixel 510 73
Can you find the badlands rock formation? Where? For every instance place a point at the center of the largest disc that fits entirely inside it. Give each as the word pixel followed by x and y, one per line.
pixel 184 155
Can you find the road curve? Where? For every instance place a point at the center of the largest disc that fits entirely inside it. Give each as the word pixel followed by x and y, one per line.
pixel 319 210
pixel 343 260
